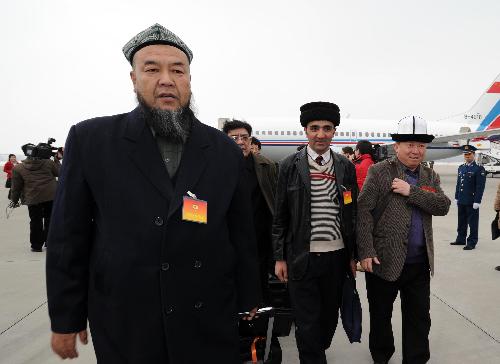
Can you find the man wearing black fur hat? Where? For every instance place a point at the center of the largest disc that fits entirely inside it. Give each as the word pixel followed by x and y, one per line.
pixel 153 242
pixel 394 240
pixel 314 230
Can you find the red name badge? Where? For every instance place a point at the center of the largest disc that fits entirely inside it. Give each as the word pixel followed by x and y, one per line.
pixel 428 189
pixel 194 210
pixel 347 197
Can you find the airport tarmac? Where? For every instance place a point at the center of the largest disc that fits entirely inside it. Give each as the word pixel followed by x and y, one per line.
pixel 465 296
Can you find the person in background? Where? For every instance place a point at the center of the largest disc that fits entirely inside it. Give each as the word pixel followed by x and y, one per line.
pixel 261 178
pixel 471 180
pixel 255 146
pixel 395 244
pixel 496 206
pixel 348 153
pixel 7 168
pixel 314 230
pixel 363 160
pixel 34 184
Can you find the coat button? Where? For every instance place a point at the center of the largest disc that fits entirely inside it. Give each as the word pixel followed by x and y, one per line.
pixel 158 221
pixel 197 264
pixel 198 305
pixel 165 266
pixel 169 310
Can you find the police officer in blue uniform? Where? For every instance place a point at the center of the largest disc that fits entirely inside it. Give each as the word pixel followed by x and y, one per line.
pixel 468 194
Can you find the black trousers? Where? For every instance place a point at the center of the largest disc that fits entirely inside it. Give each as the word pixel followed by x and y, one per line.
pixel 39 223
pixel 414 288
pixel 316 300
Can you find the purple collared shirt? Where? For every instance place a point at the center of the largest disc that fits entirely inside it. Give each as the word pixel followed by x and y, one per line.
pixel 416 239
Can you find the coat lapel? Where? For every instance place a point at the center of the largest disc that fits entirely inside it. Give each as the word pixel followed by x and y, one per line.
pixel 303 168
pixel 339 172
pixel 144 153
pixel 193 162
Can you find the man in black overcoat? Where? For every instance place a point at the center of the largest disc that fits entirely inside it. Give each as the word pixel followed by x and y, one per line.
pixel 152 242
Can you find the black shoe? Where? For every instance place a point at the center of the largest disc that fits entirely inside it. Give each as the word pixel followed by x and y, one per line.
pixel 456 243
pixel 37 250
pixel 497 268
pixel 468 247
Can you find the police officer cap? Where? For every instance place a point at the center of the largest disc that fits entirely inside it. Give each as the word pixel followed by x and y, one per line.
pixel 319 110
pixel 155 34
pixel 466 149
pixel 412 129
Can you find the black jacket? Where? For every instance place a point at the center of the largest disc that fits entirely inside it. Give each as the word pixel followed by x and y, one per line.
pixel 155 288
pixel 292 220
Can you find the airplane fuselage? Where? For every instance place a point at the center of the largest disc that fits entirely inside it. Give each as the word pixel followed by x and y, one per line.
pixel 278 143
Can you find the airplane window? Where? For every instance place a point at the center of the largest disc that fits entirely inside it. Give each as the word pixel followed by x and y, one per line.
pixel 372 134
pixel 269 132
pixel 282 132
pixel 294 132
pixel 360 134
pixel 275 133
pixel 288 133
pixel 257 132
pixel 301 132
pixel 378 134
pixel 353 133
pixel 384 135
pixel 263 133
pixel 366 133
pixel 336 133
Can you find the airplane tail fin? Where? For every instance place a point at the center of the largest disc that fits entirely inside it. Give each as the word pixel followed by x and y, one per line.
pixel 486 111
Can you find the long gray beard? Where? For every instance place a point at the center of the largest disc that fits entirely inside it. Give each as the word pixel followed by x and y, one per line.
pixel 174 125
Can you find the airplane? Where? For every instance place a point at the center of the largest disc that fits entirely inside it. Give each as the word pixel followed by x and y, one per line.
pixel 480 123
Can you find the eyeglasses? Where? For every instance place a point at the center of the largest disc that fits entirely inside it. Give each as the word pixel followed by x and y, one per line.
pixel 243 137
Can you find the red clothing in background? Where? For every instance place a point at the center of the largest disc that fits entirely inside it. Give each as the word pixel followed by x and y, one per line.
pixel 7 168
pixel 362 164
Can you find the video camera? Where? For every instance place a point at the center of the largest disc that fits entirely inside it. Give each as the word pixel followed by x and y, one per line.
pixel 42 150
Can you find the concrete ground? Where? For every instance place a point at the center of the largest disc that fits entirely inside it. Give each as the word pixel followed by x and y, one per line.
pixel 465 290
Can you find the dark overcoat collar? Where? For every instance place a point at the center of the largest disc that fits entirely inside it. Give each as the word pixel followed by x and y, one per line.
pixel 143 151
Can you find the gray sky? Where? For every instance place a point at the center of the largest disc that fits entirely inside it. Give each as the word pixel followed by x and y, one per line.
pixel 61 60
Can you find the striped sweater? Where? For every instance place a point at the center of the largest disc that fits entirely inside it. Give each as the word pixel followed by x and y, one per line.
pixel 325 209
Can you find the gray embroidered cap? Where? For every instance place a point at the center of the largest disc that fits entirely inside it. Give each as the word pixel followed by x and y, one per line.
pixel 155 34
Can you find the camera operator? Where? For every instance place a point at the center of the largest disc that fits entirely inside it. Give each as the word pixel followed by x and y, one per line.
pixel 34 183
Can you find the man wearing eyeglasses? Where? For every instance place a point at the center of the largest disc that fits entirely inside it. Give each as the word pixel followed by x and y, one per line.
pixel 313 230
pixel 261 180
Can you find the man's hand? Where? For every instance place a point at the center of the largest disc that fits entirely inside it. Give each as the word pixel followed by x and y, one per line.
pixel 475 205
pixel 353 268
pixel 281 270
pixel 367 264
pixel 251 314
pixel 64 345
pixel 400 186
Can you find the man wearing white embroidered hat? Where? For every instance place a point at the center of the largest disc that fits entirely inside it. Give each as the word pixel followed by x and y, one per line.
pixel 395 245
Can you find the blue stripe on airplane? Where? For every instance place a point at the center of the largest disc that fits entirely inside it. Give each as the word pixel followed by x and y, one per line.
pixel 490 117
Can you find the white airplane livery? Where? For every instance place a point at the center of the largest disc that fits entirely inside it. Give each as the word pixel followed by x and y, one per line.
pixel 481 122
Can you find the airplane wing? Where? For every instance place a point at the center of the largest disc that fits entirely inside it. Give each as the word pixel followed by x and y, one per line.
pixel 466 136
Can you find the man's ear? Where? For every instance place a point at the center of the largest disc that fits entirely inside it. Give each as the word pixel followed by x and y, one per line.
pixel 133 78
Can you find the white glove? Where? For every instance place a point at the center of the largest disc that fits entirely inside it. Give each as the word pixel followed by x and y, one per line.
pixel 456 201
pixel 475 205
